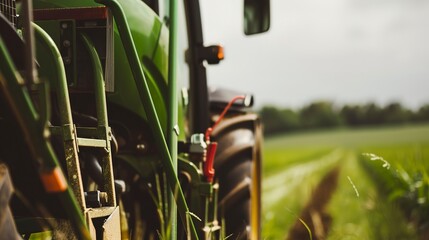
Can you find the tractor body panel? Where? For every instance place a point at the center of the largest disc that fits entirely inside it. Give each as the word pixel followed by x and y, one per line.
pixel 148 32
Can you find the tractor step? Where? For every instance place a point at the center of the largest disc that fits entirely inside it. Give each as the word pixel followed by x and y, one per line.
pixel 90 142
pixel 87 136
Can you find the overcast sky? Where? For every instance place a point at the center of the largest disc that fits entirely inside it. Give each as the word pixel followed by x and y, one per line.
pixel 347 51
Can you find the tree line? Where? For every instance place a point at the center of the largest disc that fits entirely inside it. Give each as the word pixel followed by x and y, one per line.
pixel 324 114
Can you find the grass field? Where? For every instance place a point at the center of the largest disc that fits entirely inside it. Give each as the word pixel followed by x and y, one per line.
pixel 294 165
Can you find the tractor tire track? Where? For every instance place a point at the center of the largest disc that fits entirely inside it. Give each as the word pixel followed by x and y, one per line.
pixel 277 186
pixel 317 221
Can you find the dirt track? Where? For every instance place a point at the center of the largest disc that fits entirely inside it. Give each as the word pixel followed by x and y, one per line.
pixel 314 215
pixel 277 186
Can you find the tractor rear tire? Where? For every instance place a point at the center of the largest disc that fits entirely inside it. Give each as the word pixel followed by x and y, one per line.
pixel 7 224
pixel 238 172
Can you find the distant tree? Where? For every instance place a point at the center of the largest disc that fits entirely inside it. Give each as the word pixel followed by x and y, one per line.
pixel 373 114
pixel 323 114
pixel 394 113
pixel 422 115
pixel 279 120
pixel 272 120
pixel 353 115
pixel 291 119
pixel 320 115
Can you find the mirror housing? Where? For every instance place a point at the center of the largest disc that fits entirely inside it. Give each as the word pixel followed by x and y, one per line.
pixel 256 16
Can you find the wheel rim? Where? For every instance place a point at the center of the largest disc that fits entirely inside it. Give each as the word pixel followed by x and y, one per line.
pixel 255 225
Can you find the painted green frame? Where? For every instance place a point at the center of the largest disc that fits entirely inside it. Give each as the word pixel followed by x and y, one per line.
pixel 35 128
pixel 172 111
pixel 145 97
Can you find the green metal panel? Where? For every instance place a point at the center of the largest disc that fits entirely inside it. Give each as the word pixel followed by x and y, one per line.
pixel 151 45
pixel 160 56
pixel 145 28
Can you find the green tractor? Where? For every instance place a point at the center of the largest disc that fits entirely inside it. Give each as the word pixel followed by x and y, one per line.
pixel 97 141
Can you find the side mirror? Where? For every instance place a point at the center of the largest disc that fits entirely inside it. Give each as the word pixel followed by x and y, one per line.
pixel 256 16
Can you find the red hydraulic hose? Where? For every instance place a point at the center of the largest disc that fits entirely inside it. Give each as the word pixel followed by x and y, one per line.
pixel 222 115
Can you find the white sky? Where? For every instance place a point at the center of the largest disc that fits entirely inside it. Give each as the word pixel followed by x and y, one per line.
pixel 347 51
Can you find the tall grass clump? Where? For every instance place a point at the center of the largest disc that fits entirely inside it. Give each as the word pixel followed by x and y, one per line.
pixel 408 187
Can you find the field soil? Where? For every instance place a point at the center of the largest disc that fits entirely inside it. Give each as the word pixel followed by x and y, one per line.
pixel 314 221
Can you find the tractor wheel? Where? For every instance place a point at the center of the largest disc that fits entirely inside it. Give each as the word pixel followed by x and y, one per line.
pixel 238 172
pixel 7 224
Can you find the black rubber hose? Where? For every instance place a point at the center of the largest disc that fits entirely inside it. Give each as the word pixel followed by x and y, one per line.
pixel 93 167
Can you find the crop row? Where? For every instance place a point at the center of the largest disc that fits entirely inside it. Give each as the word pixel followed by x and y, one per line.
pixel 407 187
